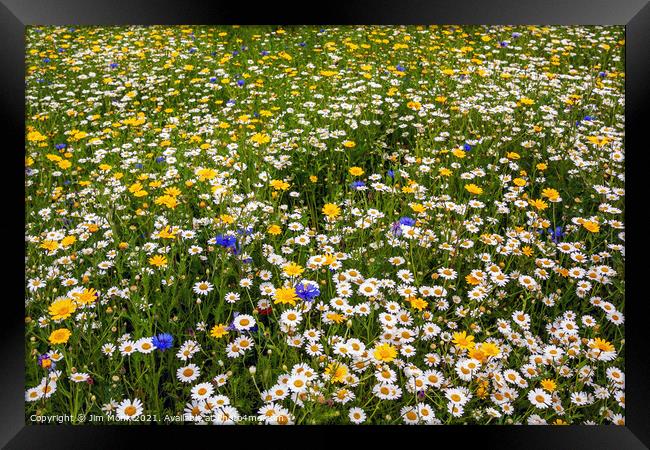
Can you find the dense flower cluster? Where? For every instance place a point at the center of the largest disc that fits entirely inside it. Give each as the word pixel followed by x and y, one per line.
pixel 380 225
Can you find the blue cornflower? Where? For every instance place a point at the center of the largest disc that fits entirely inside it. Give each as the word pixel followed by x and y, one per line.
pixel 307 291
pixel 235 53
pixel 400 68
pixel 60 146
pixel 467 147
pixel 588 118
pixel 391 173
pixel 113 65
pixel 302 44
pixel 192 50
pixel 139 166
pixel 160 159
pixel 356 185
pixel 503 44
pixel 230 102
pixel 264 53
pixel 213 79
pixel 245 231
pixel 241 82
pixel 229 242
pixel 163 341
pixel 556 234
pixel 408 221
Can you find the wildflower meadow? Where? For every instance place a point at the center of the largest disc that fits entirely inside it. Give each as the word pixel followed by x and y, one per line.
pixel 325 225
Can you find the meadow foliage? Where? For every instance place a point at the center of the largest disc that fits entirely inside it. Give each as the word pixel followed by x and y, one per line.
pixel 306 225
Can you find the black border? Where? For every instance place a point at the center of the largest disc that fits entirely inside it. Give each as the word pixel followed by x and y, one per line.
pixel 16 14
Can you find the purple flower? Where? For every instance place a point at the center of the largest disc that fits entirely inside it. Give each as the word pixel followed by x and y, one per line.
pixel 241 82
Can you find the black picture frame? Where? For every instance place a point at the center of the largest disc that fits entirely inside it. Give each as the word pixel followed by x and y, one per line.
pixel 15 15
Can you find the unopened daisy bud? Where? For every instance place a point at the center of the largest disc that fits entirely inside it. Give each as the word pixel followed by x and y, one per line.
pixel 220 363
pixel 388 417
pixel 284 367
pixel 348 324
pixel 115 378
pixel 93 398
pixel 229 373
pixel 269 351
pixel 252 370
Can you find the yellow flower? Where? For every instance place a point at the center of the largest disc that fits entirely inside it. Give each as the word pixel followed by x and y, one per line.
pixel 293 269
pixel 227 218
pixel 331 210
pixel 337 372
pixel 261 138
pixel 540 204
pixel 417 207
pixel 602 345
pixel 519 182
pixel 62 308
pixel 166 233
pixel 50 245
pixel 418 303
pixel 548 385
pixel 590 226
pixel 599 140
pixel 444 172
pixel 274 230
pixel 279 185
pixel 551 194
pixel 68 241
pixel 167 200
pixel 349 144
pixel 285 296
pixel 490 349
pixel 335 317
pixel 513 155
pixel 541 166
pixel 473 189
pixel 158 261
pixel 462 340
pixel 85 297
pixel 205 174
pixel 60 336
pixel 384 352
pixel 458 153
pixel 414 105
pixel 219 330
pixel 356 171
